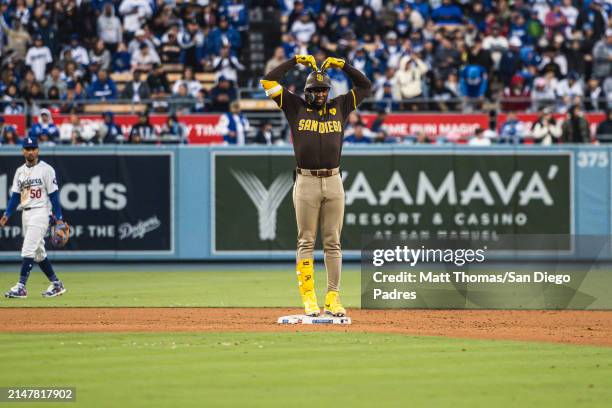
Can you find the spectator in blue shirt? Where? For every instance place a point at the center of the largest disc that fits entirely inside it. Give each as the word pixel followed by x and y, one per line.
pixel 289 45
pixel 221 35
pixel 313 6
pixel 102 88
pixel 447 13
pixel 512 130
pixel 385 97
pixel 511 61
pixel 518 28
pixel 237 14
pixel 44 128
pixel 473 81
pixel 358 137
pixel 122 59
pixel 109 131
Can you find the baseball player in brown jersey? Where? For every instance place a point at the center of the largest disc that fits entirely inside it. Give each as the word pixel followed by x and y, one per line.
pixel 317 127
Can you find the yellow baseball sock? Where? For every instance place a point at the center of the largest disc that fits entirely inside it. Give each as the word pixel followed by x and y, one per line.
pixel 305 275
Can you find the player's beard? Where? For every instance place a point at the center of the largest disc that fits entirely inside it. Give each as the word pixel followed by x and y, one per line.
pixel 317 103
pixel 31 160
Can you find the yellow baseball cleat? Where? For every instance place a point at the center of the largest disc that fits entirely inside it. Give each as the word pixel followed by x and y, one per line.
pixel 311 307
pixel 332 304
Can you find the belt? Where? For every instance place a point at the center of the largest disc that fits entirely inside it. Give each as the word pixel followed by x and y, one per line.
pixel 30 208
pixel 319 172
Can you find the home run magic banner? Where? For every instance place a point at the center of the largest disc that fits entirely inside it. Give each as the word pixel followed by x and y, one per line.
pixel 413 195
pixel 113 202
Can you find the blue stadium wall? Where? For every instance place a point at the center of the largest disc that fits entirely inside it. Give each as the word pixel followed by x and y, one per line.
pixel 196 203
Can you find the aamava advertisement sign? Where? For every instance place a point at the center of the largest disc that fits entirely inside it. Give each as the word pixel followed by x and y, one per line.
pixel 414 195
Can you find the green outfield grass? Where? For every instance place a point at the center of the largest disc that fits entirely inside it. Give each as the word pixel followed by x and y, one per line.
pixel 285 369
pixel 206 288
pixel 307 370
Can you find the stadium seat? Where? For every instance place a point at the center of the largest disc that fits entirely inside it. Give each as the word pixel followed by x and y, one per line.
pixel 115 108
pixel 205 76
pixel 173 68
pixel 173 76
pixel 257 104
pixel 121 76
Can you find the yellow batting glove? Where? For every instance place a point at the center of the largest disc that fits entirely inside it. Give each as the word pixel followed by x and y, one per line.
pixel 333 63
pixel 307 60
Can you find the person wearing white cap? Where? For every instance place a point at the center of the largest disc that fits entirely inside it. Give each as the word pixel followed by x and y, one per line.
pixel 44 130
pixel 393 49
pixel 510 61
pixel 542 94
pixel 140 37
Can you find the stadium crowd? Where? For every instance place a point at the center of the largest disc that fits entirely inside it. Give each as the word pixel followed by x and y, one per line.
pixel 532 54
pixel 550 57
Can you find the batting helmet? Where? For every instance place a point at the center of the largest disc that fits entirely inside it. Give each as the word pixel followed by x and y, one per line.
pixel 316 79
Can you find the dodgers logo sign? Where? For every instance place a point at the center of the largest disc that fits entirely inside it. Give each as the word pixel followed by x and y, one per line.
pixel 113 202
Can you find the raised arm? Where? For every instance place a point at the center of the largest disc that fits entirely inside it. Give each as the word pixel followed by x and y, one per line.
pixel 270 81
pixel 361 84
pixel 279 72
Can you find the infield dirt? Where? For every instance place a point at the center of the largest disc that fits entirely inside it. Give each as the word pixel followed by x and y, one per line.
pixel 569 327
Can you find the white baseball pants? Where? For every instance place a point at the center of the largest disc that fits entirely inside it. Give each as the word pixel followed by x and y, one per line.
pixel 35 223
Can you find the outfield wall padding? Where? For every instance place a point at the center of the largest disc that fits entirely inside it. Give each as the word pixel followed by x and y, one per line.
pixel 229 203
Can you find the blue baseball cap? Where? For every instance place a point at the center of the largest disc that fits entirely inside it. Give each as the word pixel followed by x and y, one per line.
pixel 30 143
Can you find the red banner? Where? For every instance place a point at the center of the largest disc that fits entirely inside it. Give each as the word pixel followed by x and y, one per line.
pixel 201 129
pixel 17 121
pixel 528 119
pixel 452 125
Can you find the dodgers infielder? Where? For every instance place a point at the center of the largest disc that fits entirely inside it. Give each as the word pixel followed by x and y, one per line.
pixel 35 192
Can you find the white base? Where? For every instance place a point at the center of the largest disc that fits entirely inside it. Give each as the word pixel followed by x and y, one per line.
pixel 303 319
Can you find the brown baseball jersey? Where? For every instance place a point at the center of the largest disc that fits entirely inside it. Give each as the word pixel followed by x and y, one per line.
pixel 318 134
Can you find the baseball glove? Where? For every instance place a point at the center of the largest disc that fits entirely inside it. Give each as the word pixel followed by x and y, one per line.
pixel 307 60
pixel 331 62
pixel 60 234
